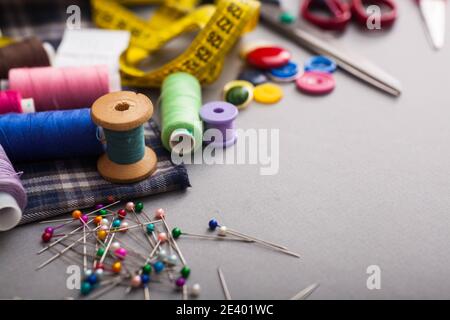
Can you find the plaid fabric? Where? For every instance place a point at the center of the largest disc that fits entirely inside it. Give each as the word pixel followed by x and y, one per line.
pixel 57 187
pixel 61 186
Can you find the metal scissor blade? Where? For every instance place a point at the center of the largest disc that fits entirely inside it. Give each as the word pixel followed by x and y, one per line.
pixel 433 13
pixel 355 65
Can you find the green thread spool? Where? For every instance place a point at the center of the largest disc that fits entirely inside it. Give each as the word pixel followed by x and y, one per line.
pixel 181 99
pixel 122 115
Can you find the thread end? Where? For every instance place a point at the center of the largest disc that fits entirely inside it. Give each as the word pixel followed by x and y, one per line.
pixel 182 141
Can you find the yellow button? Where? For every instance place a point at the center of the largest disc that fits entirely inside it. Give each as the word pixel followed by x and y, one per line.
pixel 267 93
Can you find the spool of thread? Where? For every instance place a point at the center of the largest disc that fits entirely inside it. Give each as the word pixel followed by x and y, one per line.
pixel 122 115
pixel 49 135
pixel 220 115
pixel 27 53
pixel 11 101
pixel 60 88
pixel 181 99
pixel 13 198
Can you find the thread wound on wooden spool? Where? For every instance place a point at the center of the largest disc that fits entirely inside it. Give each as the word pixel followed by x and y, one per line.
pixel 122 115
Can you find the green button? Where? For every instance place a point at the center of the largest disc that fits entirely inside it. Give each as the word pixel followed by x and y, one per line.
pixel 237 95
pixel 287 18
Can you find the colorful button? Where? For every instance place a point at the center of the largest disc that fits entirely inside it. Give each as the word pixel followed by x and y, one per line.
pixel 235 91
pixel 286 73
pixel 320 63
pixel 268 57
pixel 237 95
pixel 317 83
pixel 252 45
pixel 256 77
pixel 268 93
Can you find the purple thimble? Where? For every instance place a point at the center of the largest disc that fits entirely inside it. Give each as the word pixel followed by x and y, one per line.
pixel 220 115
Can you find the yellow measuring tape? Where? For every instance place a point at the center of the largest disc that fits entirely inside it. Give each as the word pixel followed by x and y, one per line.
pixel 5 41
pixel 220 26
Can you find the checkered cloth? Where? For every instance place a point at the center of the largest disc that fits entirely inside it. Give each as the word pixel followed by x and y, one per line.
pixel 56 187
pixel 61 186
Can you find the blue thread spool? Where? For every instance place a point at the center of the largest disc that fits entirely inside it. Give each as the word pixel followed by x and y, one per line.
pixel 122 115
pixel 49 135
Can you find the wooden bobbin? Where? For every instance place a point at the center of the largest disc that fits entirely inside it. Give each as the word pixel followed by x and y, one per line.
pixel 124 111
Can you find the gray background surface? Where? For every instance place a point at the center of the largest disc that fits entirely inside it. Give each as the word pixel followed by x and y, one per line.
pixel 363 179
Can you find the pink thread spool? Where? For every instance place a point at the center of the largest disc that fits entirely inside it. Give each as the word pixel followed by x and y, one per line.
pixel 11 101
pixel 61 88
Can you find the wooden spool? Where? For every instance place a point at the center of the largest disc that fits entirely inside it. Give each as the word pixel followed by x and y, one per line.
pixel 124 111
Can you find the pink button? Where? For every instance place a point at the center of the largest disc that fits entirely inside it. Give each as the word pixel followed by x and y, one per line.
pixel 314 82
pixel 268 57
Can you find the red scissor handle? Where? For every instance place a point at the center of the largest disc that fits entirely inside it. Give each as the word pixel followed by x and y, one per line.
pixel 339 10
pixel 359 9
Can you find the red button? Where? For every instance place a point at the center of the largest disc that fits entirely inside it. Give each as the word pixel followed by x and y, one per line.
pixel 314 82
pixel 268 57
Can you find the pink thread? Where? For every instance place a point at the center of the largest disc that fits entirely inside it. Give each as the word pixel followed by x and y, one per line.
pixel 10 101
pixel 60 88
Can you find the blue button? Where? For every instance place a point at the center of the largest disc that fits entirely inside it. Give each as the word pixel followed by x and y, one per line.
pixel 320 63
pixel 287 71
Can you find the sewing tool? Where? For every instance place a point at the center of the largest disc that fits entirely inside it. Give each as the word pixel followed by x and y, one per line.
pixel 223 231
pixel 60 253
pixel 27 53
pixel 122 115
pixel 224 284
pixel 49 135
pixel 195 290
pixel 177 232
pixel 60 88
pixel 219 116
pixel 314 41
pixel 341 13
pixel 181 100
pixel 434 16
pixel 238 93
pixel 305 293
pixel 13 198
pixel 102 209
pixel 268 93
pixel 220 27
pixel 160 214
pixel 11 101
pixel 316 83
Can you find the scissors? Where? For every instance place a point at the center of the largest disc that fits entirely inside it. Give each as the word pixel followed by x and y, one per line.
pixel 336 14
pixel 434 13
pixel 310 39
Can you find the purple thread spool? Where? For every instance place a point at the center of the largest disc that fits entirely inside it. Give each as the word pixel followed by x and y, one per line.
pixel 220 115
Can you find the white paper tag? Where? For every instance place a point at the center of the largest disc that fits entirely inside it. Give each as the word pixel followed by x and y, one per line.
pixel 87 47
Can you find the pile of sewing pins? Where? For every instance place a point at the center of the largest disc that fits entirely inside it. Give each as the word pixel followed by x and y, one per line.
pixel 128 248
